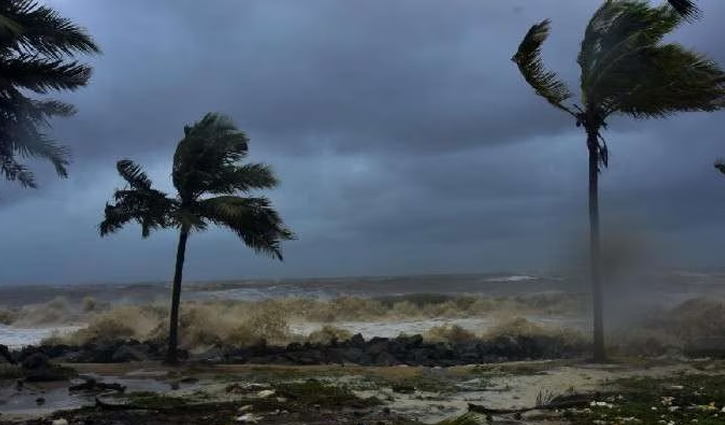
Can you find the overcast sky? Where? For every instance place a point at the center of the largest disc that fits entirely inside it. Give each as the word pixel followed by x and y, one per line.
pixel 405 139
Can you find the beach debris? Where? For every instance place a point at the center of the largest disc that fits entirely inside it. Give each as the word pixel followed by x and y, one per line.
pixel 60 421
pixel 559 402
pixel 234 388
pixel 601 404
pixel 92 385
pixel 248 418
pixel 403 389
pixel 245 408
pixel 265 393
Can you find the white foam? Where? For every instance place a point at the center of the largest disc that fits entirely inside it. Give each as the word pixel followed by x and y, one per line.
pixel 15 337
pixel 513 278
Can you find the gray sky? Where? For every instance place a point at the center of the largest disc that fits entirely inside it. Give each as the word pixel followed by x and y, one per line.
pixel 404 136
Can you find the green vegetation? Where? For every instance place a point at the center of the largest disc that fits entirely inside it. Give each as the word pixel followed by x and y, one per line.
pixel 678 400
pixel 626 69
pixel 312 393
pixel 37 53
pixel 207 172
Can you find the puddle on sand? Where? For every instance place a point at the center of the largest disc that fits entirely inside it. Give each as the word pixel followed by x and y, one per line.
pixel 57 397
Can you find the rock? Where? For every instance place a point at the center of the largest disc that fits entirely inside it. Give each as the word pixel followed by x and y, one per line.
pixel 357 340
pixel 265 393
pixel 5 354
pixel 386 359
pixel 59 422
pixel 35 361
pixel 39 401
pixel 126 353
pixel 707 347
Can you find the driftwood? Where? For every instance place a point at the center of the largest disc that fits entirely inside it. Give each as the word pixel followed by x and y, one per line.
pixel 111 406
pixel 93 385
pixel 561 402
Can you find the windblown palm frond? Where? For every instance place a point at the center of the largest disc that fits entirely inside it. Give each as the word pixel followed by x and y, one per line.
pixel 670 79
pixel 151 208
pixel 36 49
pixel 42 75
pixel 243 178
pixel 544 82
pixel 8 27
pixel 720 166
pixel 616 34
pixel 133 174
pixel 626 69
pixel 687 8
pixel 207 156
pixel 44 31
pixel 252 219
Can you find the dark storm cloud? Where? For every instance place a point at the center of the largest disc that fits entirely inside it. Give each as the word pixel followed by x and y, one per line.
pixel 404 136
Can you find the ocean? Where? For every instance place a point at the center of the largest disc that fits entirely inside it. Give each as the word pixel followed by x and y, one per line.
pixel 631 294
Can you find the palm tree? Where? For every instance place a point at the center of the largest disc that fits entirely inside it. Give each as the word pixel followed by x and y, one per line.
pixel 37 46
pixel 625 70
pixel 207 172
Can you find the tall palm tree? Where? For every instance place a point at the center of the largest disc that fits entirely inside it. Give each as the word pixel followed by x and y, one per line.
pixel 625 70
pixel 207 173
pixel 37 47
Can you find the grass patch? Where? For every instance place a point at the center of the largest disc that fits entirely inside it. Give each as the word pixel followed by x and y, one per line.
pixel 313 393
pixel 680 399
pixel 10 372
pixel 152 400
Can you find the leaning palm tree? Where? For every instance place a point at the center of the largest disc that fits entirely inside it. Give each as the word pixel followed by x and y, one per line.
pixel 207 173
pixel 37 47
pixel 626 69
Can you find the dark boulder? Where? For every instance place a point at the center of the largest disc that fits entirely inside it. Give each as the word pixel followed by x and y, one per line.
pixel 129 353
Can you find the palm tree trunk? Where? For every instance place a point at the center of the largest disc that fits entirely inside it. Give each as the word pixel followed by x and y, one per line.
pixel 594 250
pixel 172 355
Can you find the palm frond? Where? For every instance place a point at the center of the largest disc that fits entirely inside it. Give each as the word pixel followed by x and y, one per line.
pixel 720 166
pixel 8 27
pixel 528 59
pixel 20 130
pixel 209 150
pixel 133 174
pixel 14 171
pixel 618 31
pixel 150 208
pixel 44 31
pixel 252 219
pixel 687 8
pixel 42 75
pixel 663 80
pixel 41 147
pixel 230 179
pixel 53 108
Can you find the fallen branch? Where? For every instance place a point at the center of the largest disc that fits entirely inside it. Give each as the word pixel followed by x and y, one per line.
pixel 561 402
pixel 93 385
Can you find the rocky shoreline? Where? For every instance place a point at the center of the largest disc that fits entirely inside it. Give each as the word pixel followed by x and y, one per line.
pixel 403 350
